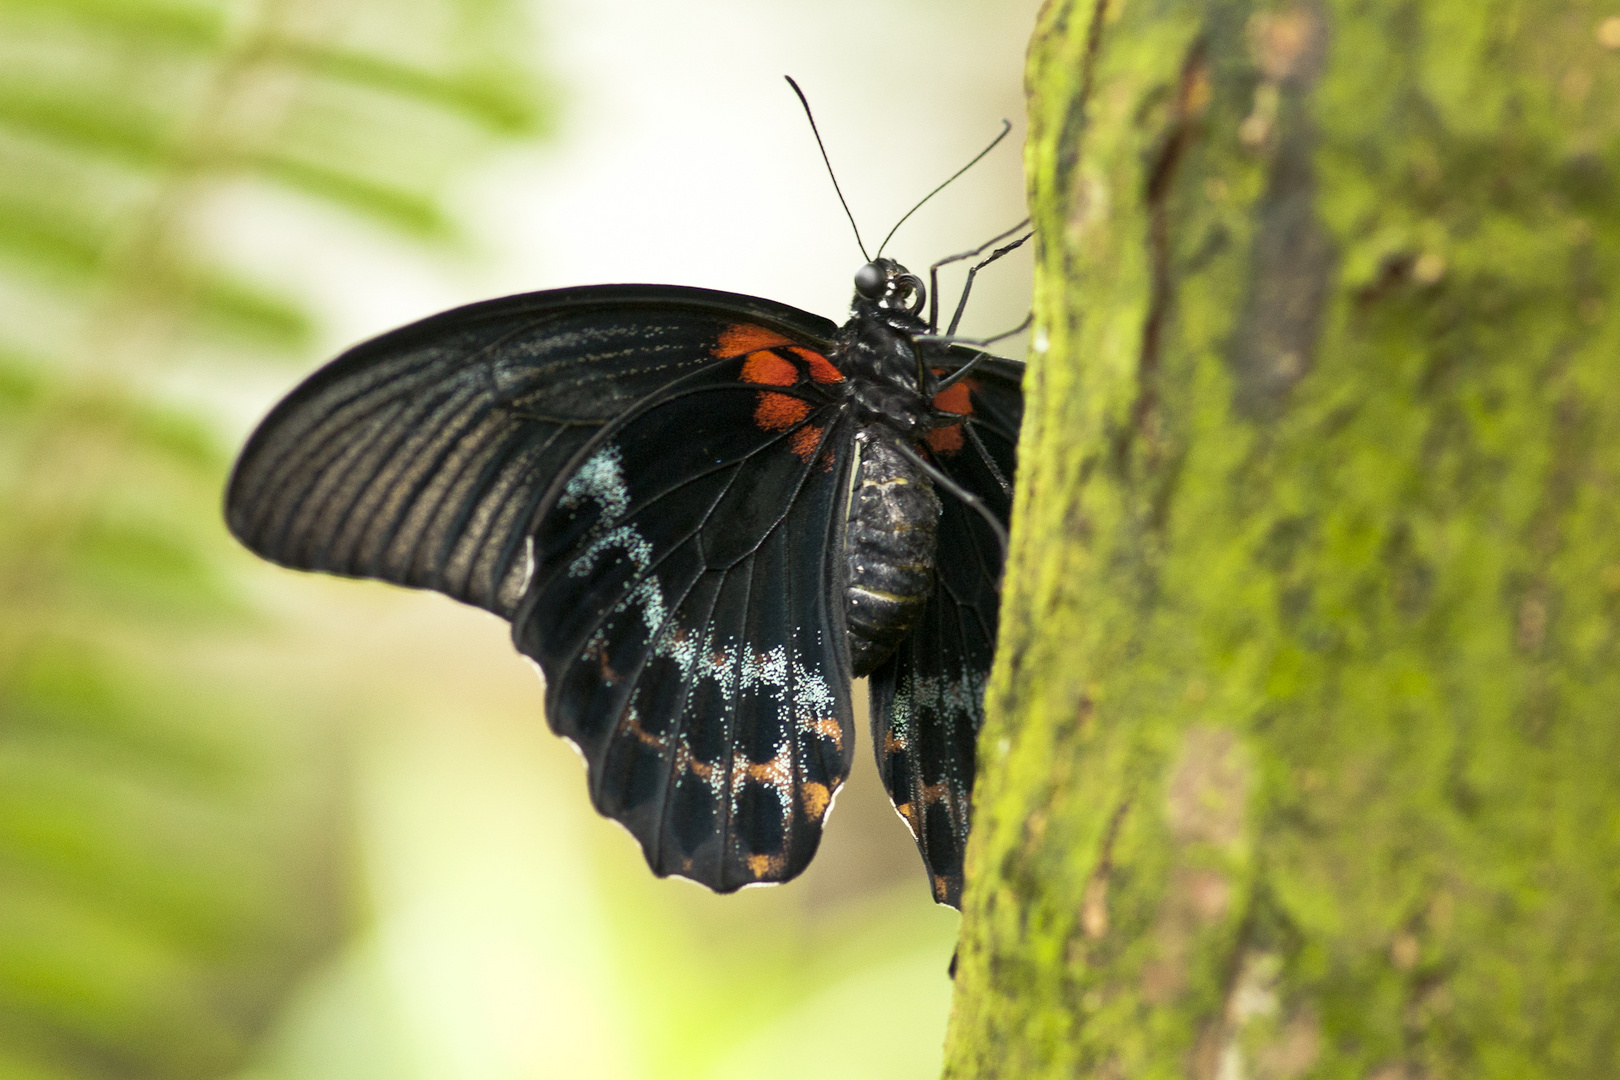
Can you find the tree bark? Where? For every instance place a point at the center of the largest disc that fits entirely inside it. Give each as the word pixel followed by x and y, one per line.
pixel 1303 750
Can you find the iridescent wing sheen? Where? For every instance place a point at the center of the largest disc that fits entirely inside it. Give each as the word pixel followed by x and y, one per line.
pixel 421 457
pixel 687 611
pixel 928 699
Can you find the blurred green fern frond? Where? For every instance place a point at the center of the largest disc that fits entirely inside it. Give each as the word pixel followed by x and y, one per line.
pixel 172 847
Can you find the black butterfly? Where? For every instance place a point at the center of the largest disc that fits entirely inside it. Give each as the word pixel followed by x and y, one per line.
pixel 703 514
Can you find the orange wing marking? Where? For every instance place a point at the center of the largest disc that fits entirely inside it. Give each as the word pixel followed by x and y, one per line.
pixel 821 368
pixel 805 441
pixel 827 727
pixel 776 774
pixel 766 867
pixel 745 338
pixel 815 798
pixel 956 399
pixel 687 762
pixel 765 368
pixel 945 440
pixel 909 813
pixel 631 725
pixel 778 412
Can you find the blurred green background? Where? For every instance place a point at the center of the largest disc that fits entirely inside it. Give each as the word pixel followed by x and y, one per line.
pixel 264 825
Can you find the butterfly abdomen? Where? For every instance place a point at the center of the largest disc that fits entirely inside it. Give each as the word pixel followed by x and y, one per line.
pixel 889 546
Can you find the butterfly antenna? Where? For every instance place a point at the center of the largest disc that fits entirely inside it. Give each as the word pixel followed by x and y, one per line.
pixel 813 130
pixel 1006 126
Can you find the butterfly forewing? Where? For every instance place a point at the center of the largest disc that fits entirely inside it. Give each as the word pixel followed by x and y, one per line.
pixel 928 699
pixel 687 614
pixel 422 457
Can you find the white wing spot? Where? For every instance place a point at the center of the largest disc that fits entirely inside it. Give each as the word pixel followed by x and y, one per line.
pixel 601 479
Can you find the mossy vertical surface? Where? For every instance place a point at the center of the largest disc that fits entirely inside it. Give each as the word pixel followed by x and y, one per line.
pixel 1303 756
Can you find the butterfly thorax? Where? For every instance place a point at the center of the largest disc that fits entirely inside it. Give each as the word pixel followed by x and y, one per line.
pixel 876 352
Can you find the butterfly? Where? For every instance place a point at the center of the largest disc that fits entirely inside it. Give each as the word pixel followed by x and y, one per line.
pixel 703 513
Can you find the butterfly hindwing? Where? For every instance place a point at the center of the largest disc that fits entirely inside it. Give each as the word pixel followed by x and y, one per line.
pixel 421 457
pixel 928 699
pixel 687 613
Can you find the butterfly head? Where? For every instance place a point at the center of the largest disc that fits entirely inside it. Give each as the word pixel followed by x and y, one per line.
pixel 888 285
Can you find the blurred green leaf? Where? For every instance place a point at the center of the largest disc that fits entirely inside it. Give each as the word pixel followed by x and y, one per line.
pixel 199 26
pixel 154 841
pixel 225 305
pixel 173 826
pixel 35 239
pixel 389 205
pixel 498 97
pixel 20 384
pixel 97 123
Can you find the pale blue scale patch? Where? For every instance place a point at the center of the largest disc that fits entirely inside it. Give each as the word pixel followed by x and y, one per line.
pixel 801 689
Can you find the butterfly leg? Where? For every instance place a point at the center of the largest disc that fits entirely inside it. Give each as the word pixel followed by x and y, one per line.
pixel 957 491
pixel 933 273
pixel 951 339
pixel 967 286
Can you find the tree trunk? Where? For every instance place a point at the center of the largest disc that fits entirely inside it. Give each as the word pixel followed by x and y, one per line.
pixel 1303 755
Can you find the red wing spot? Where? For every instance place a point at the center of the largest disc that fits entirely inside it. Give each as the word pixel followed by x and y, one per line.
pixel 805 441
pixel 765 368
pixel 956 398
pixel 745 338
pixel 778 412
pixel 946 440
pixel 821 368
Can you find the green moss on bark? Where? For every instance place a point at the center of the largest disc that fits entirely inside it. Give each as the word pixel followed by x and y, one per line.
pixel 1303 756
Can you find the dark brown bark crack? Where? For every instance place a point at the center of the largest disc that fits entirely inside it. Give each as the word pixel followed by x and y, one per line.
pixel 1094 904
pixel 1074 118
pixel 1192 97
pixel 1293 261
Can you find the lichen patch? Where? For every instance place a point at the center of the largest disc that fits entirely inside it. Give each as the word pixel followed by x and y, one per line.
pixel 1209 788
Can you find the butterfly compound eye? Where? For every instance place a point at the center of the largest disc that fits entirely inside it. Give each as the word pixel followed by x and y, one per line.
pixel 870 280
